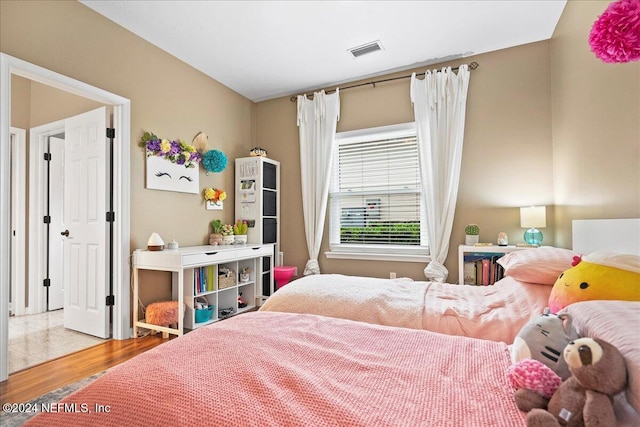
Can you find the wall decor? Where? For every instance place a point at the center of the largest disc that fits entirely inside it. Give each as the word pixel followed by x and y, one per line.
pixel 213 198
pixel 615 35
pixel 214 161
pixel 171 165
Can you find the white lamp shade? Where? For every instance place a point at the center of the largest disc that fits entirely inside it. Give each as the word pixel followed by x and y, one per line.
pixel 533 217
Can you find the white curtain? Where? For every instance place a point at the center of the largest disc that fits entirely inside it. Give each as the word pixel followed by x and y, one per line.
pixel 439 104
pixel 317 121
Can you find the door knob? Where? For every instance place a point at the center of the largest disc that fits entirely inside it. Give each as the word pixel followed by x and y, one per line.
pixel 65 233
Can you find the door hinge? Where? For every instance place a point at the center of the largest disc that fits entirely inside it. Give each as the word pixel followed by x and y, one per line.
pixel 46 283
pixel 111 216
pixel 111 133
pixel 47 157
pixel 47 219
pixel 111 300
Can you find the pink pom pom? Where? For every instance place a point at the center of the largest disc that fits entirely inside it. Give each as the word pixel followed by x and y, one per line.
pixel 534 375
pixel 615 36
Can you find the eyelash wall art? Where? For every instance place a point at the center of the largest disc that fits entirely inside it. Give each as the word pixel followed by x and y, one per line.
pixel 172 165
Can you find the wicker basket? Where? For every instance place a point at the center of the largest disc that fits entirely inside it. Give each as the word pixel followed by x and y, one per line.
pixel 227 280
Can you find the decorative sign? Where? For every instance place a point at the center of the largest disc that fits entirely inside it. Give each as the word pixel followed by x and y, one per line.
pixel 165 175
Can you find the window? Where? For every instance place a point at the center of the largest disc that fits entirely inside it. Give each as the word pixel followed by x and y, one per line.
pixel 375 198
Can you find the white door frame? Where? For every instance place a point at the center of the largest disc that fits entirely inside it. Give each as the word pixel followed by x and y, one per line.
pixel 38 138
pixel 18 141
pixel 122 123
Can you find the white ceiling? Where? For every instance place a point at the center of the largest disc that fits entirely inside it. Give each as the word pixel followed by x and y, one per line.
pixel 268 49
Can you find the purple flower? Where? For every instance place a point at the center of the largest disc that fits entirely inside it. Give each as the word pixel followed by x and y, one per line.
pixel 175 148
pixel 153 145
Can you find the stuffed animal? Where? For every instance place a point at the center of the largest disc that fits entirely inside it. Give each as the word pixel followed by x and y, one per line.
pixel 535 376
pixel 599 276
pixel 598 373
pixel 543 339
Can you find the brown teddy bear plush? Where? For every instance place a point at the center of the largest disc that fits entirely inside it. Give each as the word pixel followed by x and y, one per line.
pixel 585 399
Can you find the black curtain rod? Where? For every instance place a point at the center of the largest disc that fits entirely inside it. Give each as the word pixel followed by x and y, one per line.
pixel 472 66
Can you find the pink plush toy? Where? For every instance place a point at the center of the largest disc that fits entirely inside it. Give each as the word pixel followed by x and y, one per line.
pixel 535 376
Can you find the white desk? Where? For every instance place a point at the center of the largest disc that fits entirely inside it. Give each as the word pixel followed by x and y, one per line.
pixel 183 262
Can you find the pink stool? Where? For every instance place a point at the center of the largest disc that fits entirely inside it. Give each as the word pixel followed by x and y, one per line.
pixel 283 274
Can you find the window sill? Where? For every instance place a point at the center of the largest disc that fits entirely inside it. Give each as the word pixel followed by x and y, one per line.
pixel 378 257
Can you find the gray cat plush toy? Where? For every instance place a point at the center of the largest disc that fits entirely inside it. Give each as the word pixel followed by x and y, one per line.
pixel 543 339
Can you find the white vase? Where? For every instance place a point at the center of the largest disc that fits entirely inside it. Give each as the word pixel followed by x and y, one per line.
pixel 227 240
pixel 470 239
pixel 240 239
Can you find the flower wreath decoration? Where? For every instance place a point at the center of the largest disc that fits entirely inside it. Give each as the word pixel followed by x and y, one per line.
pixel 214 195
pixel 615 36
pixel 175 151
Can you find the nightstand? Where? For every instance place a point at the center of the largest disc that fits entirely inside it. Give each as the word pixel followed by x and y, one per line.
pixel 483 258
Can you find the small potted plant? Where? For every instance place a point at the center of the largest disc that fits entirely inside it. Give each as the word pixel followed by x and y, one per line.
pixel 240 231
pixel 471 234
pixel 216 237
pixel 227 234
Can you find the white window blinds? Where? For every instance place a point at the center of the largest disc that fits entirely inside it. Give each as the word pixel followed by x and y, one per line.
pixel 375 197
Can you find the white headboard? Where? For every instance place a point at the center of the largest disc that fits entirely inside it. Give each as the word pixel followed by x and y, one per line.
pixel 617 235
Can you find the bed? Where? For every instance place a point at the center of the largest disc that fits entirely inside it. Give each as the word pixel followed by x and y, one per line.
pixel 274 369
pixel 494 312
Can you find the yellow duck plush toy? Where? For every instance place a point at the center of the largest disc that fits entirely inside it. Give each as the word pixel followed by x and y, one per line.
pixel 598 276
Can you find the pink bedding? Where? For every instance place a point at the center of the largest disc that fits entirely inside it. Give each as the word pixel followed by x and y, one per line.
pixel 276 369
pixel 494 313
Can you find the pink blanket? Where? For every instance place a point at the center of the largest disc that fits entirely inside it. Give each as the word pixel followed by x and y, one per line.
pixel 495 312
pixel 282 369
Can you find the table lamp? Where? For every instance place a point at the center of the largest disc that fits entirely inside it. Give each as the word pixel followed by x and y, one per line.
pixel 532 218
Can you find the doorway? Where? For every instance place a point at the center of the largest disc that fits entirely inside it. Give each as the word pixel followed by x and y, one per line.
pixel 70 236
pixel 119 267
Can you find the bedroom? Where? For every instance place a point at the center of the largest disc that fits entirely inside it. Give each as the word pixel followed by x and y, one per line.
pixel 558 127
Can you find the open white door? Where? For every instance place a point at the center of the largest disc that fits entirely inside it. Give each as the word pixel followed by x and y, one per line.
pixel 85 207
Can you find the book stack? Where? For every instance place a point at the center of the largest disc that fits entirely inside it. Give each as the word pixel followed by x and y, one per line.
pixel 204 279
pixel 482 269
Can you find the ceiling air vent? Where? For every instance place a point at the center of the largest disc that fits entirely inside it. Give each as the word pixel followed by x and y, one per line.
pixel 365 49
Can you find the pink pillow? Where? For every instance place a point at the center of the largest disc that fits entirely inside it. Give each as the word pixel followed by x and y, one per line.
pixel 537 265
pixel 616 322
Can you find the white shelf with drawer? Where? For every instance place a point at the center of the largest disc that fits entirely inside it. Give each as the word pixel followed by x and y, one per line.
pixel 195 277
pixel 465 250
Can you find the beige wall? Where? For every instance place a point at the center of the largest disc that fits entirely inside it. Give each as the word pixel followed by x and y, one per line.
pixel 596 126
pixel 547 123
pixel 540 120
pixel 34 104
pixel 506 160
pixel 167 97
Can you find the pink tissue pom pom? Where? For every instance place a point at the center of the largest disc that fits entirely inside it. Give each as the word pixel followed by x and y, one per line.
pixel 534 375
pixel 615 36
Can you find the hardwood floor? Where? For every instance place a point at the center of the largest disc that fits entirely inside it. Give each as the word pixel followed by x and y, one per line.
pixel 30 383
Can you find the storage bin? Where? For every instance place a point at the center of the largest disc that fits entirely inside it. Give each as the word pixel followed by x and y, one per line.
pixel 204 314
pixel 226 280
